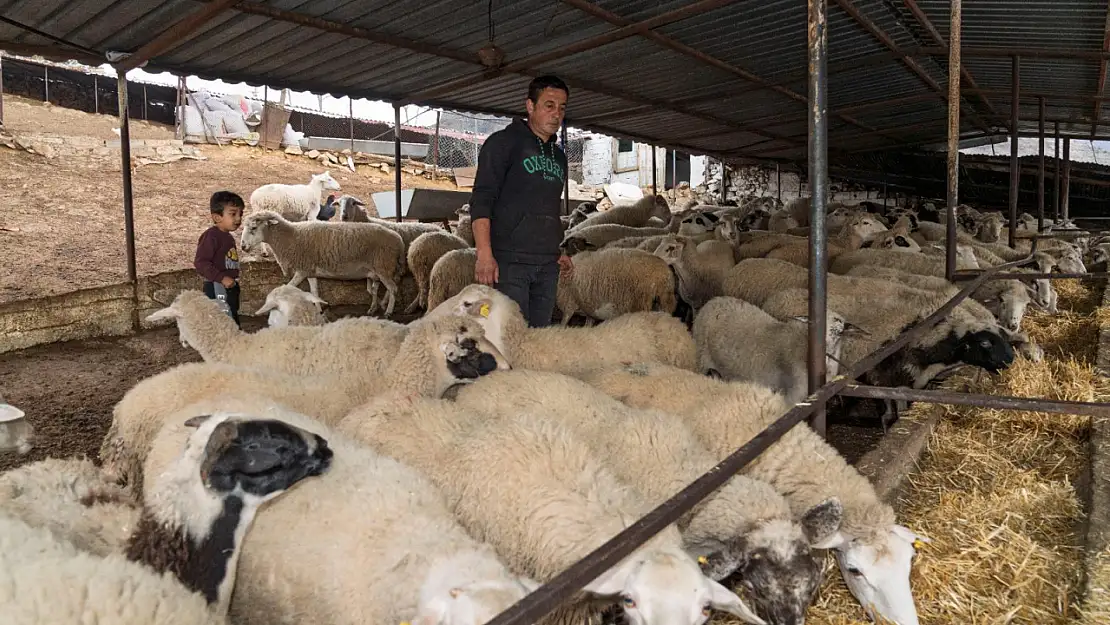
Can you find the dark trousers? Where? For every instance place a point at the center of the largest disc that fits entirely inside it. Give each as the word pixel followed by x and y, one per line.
pixel 532 287
pixel 232 299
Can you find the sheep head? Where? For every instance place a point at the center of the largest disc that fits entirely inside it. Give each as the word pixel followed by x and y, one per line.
pixel 990 228
pixel 256 226
pixel 326 182
pixel 877 571
pixel 670 249
pixel 442 350
pixel 575 244
pixel 472 603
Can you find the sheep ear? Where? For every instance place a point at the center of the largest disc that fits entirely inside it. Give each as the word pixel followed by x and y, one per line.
pixel 266 307
pixel 822 520
pixel 197 421
pixel 169 312
pixel 725 600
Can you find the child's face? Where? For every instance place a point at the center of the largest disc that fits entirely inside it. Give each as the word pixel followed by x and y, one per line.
pixel 230 220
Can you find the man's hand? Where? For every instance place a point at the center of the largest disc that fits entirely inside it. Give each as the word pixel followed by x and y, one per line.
pixel 566 265
pixel 228 282
pixel 485 268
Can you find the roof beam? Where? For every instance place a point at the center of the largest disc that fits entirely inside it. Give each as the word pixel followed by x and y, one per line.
pixel 50 52
pixel 174 35
pixel 1000 51
pixel 667 42
pixel 882 37
pixel 1101 74
pixel 582 45
pixel 927 24
pixel 523 66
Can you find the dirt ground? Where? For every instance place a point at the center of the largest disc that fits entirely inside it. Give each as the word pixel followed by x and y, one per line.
pixel 67 213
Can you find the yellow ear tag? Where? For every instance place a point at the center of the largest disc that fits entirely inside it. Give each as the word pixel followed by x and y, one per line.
pixel 918 544
pixel 484 310
pixel 703 560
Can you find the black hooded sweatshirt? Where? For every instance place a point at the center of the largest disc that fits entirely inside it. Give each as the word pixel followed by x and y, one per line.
pixel 519 186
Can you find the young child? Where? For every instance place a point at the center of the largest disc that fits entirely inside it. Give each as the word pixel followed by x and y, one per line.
pixel 217 258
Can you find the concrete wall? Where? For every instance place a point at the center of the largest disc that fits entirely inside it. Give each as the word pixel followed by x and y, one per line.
pixel 107 311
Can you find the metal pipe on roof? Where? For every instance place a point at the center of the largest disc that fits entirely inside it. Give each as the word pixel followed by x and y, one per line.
pixel 174 34
pixel 952 184
pixel 1040 169
pixel 818 36
pixel 397 158
pixel 1015 166
pixel 128 197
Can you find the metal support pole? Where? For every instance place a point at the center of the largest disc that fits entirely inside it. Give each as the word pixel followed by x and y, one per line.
pixel 1066 193
pixel 1 89
pixel 397 157
pixel 128 200
pixel 655 171
pixel 46 83
pixel 566 174
pixel 724 177
pixel 435 149
pixel 1015 167
pixel 778 182
pixel 1056 178
pixel 145 116
pixel 96 95
pixel 818 172
pixel 351 121
pixel 1040 169
pixel 953 183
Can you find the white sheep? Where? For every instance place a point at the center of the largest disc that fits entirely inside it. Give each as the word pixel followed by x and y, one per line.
pixel 436 354
pixel 745 524
pixel 422 255
pixel 356 347
pixel 635 214
pixel 645 336
pixel 914 263
pixel 700 268
pixel 321 249
pixel 369 541
pixel 541 498
pixel 181 562
pixel 874 553
pixel 294 202
pixel 737 340
pixel 450 273
pixel 589 238
pixel 610 282
pixel 72 499
pixel 291 306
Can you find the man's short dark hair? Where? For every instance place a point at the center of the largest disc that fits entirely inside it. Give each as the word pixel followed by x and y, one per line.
pixel 220 199
pixel 539 83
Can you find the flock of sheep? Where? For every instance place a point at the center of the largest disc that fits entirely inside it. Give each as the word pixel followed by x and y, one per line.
pixel 437 472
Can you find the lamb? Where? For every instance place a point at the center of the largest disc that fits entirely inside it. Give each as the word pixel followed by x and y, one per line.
pixel 538 495
pixel 755 279
pixel 737 340
pixel 353 209
pixel 586 238
pixel 372 542
pixel 450 274
pixel 321 249
pixel 423 253
pixel 1006 300
pixel 436 354
pixel 73 500
pixel 610 282
pixel 656 454
pixel 645 336
pixel 634 215
pixel 290 306
pixel 16 432
pixel 294 202
pixel 700 269
pixel 181 563
pixel 873 552
pixel 913 263
pixel 352 347
pixel 464 229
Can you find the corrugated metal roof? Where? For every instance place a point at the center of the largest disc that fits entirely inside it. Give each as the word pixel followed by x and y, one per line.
pixel 723 78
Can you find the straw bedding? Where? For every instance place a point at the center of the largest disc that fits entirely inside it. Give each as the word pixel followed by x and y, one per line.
pixel 995 491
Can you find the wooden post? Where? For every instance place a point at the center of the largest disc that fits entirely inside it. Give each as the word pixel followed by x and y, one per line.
pixel 46 83
pixel 435 150
pixel 96 95
pixel 1 88
pixel 351 118
pixel 128 201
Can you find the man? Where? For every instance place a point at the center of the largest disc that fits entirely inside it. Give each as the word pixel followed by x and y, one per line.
pixel 516 202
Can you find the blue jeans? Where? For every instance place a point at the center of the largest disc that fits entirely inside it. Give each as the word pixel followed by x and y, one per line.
pixel 532 287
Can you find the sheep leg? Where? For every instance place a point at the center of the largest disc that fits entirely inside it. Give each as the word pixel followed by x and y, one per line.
pixel 313 286
pixel 391 294
pixel 372 288
pixel 421 298
pixel 298 278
